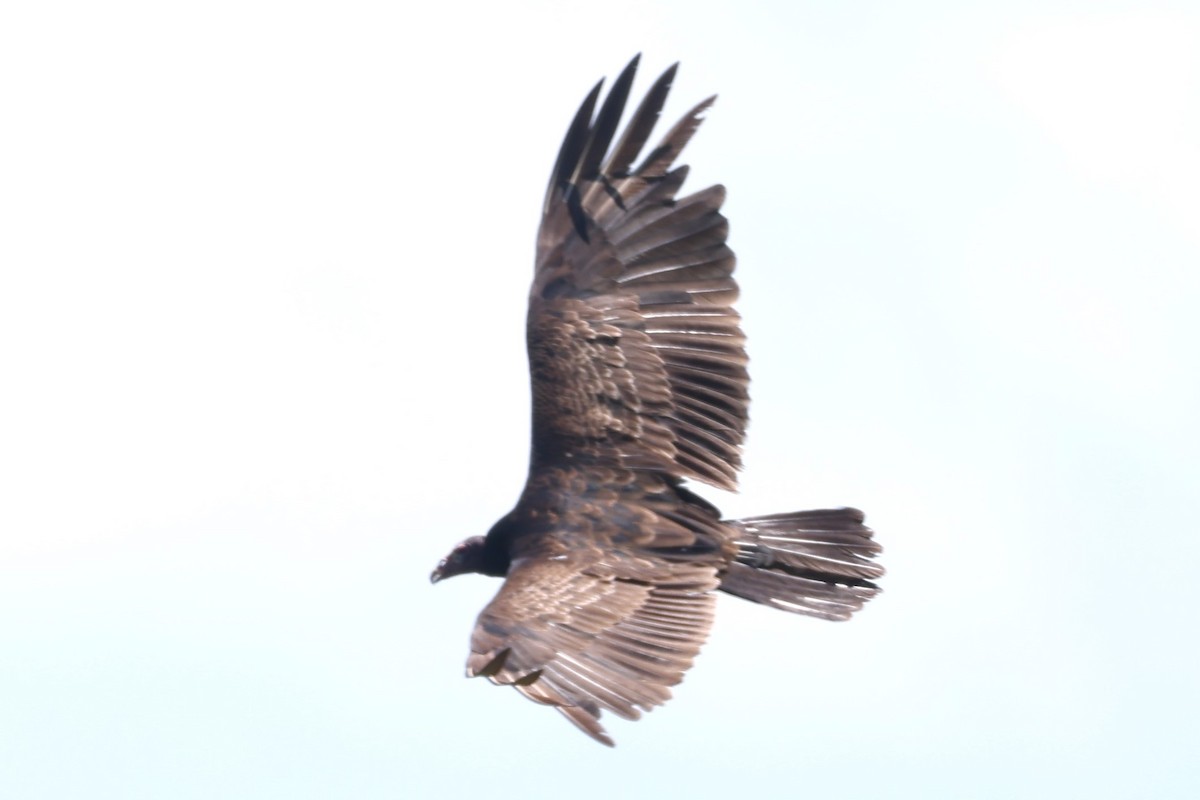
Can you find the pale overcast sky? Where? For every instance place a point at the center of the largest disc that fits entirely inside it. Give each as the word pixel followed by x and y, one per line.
pixel 262 280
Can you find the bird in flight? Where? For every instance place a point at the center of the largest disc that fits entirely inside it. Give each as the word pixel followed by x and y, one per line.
pixel 610 561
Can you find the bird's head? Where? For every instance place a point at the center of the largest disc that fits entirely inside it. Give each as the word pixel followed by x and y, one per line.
pixel 467 556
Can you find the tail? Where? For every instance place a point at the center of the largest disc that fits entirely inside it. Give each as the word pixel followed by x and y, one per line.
pixel 811 562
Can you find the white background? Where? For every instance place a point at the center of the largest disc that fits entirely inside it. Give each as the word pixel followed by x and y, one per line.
pixel 261 307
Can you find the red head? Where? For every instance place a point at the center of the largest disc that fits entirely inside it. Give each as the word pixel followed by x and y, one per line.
pixel 467 556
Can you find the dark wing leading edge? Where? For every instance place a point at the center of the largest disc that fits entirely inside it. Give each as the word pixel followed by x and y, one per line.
pixel 635 352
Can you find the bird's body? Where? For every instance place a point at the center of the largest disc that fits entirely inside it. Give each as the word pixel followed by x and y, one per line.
pixel 639 382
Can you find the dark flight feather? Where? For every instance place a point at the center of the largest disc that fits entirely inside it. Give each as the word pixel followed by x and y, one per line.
pixel 639 381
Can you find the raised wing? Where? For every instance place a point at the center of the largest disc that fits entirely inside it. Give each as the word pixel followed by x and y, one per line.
pixel 636 355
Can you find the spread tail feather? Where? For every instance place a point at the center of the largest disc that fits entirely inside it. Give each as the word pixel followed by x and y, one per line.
pixel 818 563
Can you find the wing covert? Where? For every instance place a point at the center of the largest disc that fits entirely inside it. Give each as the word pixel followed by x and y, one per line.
pixel 585 639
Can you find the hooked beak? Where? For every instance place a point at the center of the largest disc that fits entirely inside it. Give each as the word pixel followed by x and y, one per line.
pixel 436 575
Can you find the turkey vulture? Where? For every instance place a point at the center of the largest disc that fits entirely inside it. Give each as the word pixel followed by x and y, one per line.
pixel 639 381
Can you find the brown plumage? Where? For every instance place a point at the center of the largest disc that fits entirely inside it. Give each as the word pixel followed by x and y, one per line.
pixel 639 381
